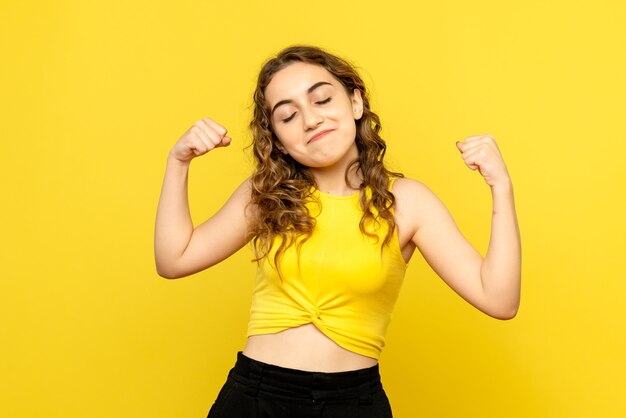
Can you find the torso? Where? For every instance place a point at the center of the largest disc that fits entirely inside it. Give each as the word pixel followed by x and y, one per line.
pixel 306 347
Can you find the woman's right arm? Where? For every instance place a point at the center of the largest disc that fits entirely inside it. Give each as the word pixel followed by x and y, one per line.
pixel 179 249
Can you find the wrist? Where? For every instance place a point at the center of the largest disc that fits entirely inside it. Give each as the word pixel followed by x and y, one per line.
pixel 503 187
pixel 172 160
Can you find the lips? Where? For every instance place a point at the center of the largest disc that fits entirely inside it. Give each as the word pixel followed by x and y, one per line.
pixel 319 135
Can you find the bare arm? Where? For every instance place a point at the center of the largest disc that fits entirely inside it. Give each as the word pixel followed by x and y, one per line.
pixel 491 284
pixel 501 269
pixel 179 249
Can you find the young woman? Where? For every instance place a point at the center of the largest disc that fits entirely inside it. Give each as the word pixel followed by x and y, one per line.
pixel 333 231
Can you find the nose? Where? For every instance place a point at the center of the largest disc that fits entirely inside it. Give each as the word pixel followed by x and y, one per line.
pixel 311 118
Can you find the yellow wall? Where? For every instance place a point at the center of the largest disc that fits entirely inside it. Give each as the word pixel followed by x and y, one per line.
pixel 93 95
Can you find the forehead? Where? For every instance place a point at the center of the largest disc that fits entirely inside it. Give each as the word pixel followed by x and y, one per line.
pixel 295 79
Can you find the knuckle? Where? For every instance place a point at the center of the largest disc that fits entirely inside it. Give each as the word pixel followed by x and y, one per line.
pixel 218 129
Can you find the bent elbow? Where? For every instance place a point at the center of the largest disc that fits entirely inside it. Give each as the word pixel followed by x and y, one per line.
pixel 505 314
pixel 166 273
pixel 506 317
pixel 169 267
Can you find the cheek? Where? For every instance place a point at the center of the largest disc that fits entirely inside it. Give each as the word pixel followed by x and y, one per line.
pixel 285 137
pixel 347 115
pixel 350 122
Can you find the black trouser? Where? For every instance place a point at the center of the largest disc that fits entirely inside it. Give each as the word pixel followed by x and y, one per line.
pixel 255 389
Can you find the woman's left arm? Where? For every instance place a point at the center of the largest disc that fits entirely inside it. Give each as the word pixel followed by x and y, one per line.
pixel 500 271
pixel 490 283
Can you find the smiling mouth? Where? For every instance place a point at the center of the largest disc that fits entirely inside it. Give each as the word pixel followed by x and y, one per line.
pixel 320 135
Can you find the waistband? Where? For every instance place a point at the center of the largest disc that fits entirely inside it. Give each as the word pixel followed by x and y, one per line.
pixel 257 376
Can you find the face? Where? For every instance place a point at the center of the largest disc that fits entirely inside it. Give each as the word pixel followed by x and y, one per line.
pixel 306 100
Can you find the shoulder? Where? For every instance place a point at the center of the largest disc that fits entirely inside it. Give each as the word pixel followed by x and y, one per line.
pixel 407 189
pixel 245 188
pixel 242 194
pixel 415 201
pixel 240 199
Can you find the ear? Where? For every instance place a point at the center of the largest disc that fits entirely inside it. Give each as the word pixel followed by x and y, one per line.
pixel 357 104
pixel 280 147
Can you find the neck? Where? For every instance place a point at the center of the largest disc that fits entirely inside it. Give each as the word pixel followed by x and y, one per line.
pixel 332 180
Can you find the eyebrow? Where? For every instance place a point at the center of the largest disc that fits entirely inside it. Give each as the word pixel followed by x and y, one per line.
pixel 309 90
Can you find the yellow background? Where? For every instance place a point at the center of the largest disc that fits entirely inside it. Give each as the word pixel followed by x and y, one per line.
pixel 94 94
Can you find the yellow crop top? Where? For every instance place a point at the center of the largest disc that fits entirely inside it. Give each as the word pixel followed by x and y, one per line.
pixel 343 285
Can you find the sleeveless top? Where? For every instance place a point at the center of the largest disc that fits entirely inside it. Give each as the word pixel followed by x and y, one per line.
pixel 343 284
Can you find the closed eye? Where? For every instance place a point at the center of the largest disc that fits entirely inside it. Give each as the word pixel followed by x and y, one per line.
pixel 320 102
pixel 324 101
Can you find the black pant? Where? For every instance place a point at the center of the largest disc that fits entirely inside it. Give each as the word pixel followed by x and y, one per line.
pixel 255 389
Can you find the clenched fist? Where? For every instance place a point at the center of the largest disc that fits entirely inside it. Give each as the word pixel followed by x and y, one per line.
pixel 481 152
pixel 201 138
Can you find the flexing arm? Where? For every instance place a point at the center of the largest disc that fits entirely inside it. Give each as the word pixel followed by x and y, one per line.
pixel 501 269
pixel 492 283
pixel 179 249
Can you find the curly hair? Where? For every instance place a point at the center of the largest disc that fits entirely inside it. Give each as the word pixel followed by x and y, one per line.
pixel 280 185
